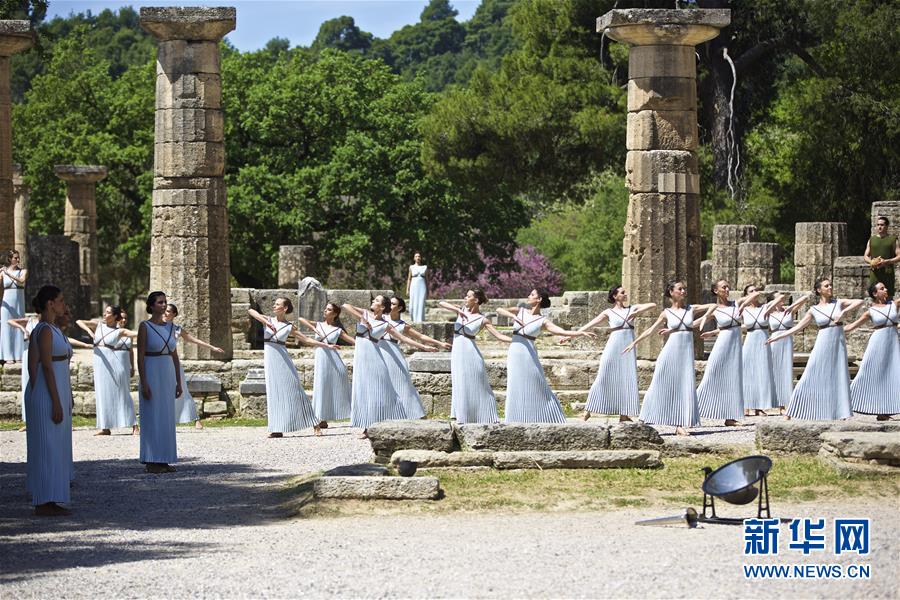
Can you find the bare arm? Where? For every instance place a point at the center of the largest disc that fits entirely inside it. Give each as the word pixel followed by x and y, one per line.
pixel 896 258
pixel 356 312
pixel 189 338
pixel 45 345
pixel 603 316
pixel 855 324
pixel 450 307
pixel 800 326
pixel 771 305
pixel 425 339
pixel 407 340
pixel 88 326
pixel 141 350
pixel 557 330
pixel 408 280
pixel 346 337
pixel 849 306
pixel 306 323
pixel 508 313
pixel 78 343
pixel 640 309
pixel 23 275
pixel 259 317
pixel 706 316
pixel 178 383
pixel 793 308
pixel 496 333
pixel 19 324
pixel 743 302
pixel 646 333
pixel 308 341
pixel 868 253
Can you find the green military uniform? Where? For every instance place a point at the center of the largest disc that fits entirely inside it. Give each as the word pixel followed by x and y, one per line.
pixel 883 247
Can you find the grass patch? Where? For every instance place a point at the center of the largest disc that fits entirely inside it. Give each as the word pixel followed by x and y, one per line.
pixel 15 424
pixel 230 422
pixel 677 484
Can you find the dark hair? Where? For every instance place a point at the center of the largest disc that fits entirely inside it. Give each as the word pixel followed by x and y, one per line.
pixel 288 305
pixel 7 257
pixel 872 289
pixel 479 295
pixel 747 287
pixel 401 303
pixel 336 309
pixel 116 310
pixel 385 303
pixel 818 284
pixel 151 300
pixel 545 296
pixel 670 285
pixel 173 308
pixel 883 218
pixel 45 295
pixel 716 283
pixel 612 293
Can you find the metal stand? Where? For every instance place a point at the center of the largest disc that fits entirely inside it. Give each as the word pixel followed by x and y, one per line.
pixel 762 504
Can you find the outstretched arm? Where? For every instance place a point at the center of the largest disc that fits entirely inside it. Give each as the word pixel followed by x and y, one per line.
pixel 510 314
pixel 557 330
pixel 346 337
pixel 705 317
pixel 800 326
pixel 87 326
pixel 862 319
pixel 19 324
pixel 308 341
pixel 79 344
pixel 408 340
pixel 646 333
pixel 307 323
pixel 767 310
pixel 189 338
pixel 260 317
pixel 450 307
pixel 425 339
pixel 496 333
pixel 353 310
pixel 793 308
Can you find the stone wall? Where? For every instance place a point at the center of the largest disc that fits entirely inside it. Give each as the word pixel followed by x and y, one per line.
pixel 816 247
pixel 726 241
pixel 759 264
pixel 851 277
pixel 55 261
pixel 294 264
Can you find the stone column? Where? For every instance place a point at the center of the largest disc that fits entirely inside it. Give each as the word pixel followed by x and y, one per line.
pixel 81 222
pixel 759 264
pixel 726 240
pixel 55 260
pixel 189 244
pixel 662 228
pixel 21 192
pixel 816 246
pixel 15 36
pixel 891 210
pixel 851 277
pixel 294 263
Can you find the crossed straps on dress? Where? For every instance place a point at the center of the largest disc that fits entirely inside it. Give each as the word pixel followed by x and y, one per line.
pixel 757 324
pixel 524 324
pixel 888 320
pixel 460 328
pixel 831 320
pixel 320 331
pixel 15 284
pixel 734 321
pixel 166 351
pixel 53 329
pixel 687 311
pixel 367 334
pixel 781 326
pixel 625 323
pixel 272 339
pixel 102 343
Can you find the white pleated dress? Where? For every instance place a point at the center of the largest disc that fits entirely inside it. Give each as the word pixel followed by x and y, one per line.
pixel 418 291
pixel 876 388
pixel 49 469
pixel 615 389
pixel 472 399
pixel 721 391
pixel 823 392
pixel 399 370
pixel 185 407
pixel 671 398
pixel 29 327
pixel 759 370
pixel 331 385
pixel 287 405
pixel 12 307
pixel 528 396
pixel 782 352
pixel 157 414
pixel 112 380
pixel 373 395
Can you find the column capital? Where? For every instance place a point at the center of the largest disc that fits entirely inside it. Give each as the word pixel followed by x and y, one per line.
pixel 80 173
pixel 188 23
pixel 15 36
pixel 648 27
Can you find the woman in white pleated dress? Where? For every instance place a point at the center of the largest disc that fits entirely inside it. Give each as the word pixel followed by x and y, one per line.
pixel 26 325
pixel 823 392
pixel 287 406
pixel 876 388
pixel 185 409
pixel 373 395
pixel 396 360
pixel 112 380
pixel 758 368
pixel 615 389
pixel 331 384
pixel 472 400
pixel 48 399
pixel 671 398
pixel 782 319
pixel 159 371
pixel 529 398
pixel 417 288
pixel 13 277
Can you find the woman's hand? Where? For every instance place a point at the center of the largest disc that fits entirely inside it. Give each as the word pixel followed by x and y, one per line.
pixel 218 350
pixel 178 389
pixel 664 332
pixel 132 371
pixel 446 346
pixel 588 334
pixel 709 334
pixel 629 347
pixel 57 413
pixel 563 340
pixel 145 391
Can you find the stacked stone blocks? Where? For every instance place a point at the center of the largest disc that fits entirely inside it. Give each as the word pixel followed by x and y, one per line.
pixel 816 246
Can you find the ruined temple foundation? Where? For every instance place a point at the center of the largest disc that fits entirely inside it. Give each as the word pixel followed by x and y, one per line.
pixel 189 244
pixel 662 229
pixel 15 36
pixel 727 238
pixel 80 223
pixel 816 247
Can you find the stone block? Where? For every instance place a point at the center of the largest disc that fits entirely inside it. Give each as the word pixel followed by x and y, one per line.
pixel 189 159
pixel 662 93
pixel 440 330
pixel 387 437
pixel 578 459
pixel 190 221
pixel 184 90
pixel 182 57
pixel 851 277
pixel 532 436
pixel 804 437
pixel 253 406
pixel 203 383
pixel 431 383
pixel 312 299
pixel 216 407
pixel 633 436
pixel 692 445
pixel 662 61
pixel 575 298
pixel 294 263
pixel 429 459
pixel 189 125
pixel 662 130
pixel 10 405
pixel 759 264
pixel 378 488
pixel 878 447
pixel 360 470
pixel 816 246
pixel 430 362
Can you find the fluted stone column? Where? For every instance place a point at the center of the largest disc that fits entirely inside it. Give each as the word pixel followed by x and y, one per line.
pixel 189 245
pixel 662 228
pixel 21 192
pixel 726 240
pixel 816 246
pixel 15 36
pixel 81 222
pixel 759 264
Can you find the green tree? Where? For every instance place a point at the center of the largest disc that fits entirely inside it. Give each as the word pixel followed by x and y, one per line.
pixel 342 33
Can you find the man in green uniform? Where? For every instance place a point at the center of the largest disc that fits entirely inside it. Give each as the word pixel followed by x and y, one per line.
pixel 882 252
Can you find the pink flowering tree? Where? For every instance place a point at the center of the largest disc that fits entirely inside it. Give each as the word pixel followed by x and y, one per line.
pixel 527 270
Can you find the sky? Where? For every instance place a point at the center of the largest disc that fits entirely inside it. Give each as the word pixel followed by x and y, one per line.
pixel 258 21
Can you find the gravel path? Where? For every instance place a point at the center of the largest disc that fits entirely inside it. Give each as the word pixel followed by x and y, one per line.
pixel 214 528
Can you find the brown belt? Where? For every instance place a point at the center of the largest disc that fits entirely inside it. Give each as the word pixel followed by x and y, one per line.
pixel 756 328
pixel 464 334
pixel 885 326
pixel 831 325
pixel 275 342
pixel 114 349
pixel 621 328
pixel 60 358
pixel 157 353
pixel 527 337
pixel 367 336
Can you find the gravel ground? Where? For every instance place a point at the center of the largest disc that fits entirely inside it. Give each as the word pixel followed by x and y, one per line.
pixel 215 528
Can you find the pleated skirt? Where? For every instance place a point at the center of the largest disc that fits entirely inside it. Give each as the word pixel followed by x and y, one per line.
pixel 287 405
pixel 876 388
pixel 12 344
pixel 111 390
pixel 417 294
pixel 721 393
pixel 615 389
pixel 402 381
pixel 472 400
pixel 782 353
pixel 331 386
pixel 528 396
pixel 759 372
pixel 157 415
pixel 373 397
pixel 823 392
pixel 671 398
pixel 24 380
pixel 185 407
pixel 49 469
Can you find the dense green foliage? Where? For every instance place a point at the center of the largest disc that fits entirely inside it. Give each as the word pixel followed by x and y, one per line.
pixel 451 136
